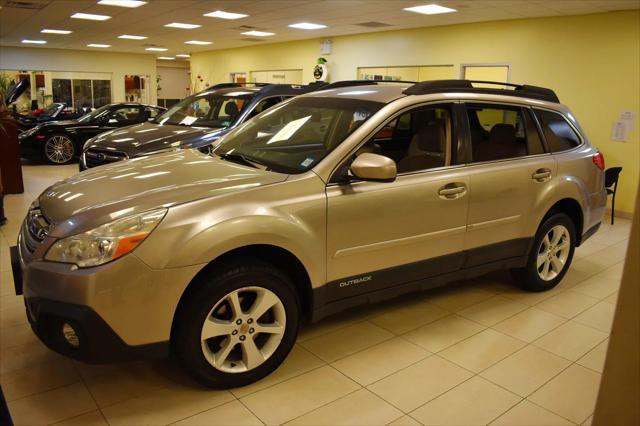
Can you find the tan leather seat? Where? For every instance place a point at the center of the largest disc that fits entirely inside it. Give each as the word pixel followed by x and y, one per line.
pixel 427 149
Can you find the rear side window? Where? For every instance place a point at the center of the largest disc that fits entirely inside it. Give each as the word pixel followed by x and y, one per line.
pixel 501 132
pixel 559 134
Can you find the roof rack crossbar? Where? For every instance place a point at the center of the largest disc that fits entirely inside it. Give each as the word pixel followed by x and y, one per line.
pixel 466 86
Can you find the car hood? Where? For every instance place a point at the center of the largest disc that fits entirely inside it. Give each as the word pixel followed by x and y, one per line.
pixel 105 193
pixel 145 138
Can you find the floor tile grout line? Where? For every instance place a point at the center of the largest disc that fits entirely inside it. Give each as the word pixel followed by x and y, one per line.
pixel 95 401
pixel 278 383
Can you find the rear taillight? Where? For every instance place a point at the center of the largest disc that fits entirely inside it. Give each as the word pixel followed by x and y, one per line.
pixel 598 160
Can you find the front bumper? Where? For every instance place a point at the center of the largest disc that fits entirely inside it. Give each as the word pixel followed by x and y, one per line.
pixel 31 148
pixel 96 341
pixel 120 310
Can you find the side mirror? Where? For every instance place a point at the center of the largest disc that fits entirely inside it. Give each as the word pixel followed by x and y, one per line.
pixel 374 167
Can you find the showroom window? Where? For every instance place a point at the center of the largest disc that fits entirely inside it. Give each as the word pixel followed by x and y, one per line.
pixel 559 134
pixel 81 92
pixel 416 140
pixel 501 132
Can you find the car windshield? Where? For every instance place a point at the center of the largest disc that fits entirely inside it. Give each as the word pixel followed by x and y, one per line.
pixel 207 109
pixel 294 136
pixel 93 114
pixel 51 109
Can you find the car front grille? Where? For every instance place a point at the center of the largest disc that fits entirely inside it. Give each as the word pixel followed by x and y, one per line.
pixel 34 229
pixel 96 157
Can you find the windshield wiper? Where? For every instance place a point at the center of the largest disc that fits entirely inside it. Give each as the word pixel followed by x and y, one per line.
pixel 239 158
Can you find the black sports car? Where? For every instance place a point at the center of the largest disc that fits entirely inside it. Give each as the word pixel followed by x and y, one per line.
pixel 59 142
pixel 57 111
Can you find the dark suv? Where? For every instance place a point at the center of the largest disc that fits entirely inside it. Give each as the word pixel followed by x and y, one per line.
pixel 195 122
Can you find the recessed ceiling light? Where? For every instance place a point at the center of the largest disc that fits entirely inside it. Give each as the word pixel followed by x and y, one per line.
pixel 183 26
pixel 101 46
pixel 123 3
pixel 225 15
pixel 307 26
pixel 156 49
pixel 183 55
pixel 257 33
pixel 90 16
pixel 34 41
pixel 48 31
pixel 132 37
pixel 430 9
pixel 198 42
pixel 166 58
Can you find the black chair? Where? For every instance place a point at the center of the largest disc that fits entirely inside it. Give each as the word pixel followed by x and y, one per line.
pixel 611 176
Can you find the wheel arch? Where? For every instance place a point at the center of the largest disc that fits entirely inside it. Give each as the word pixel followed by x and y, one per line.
pixel 277 256
pixel 571 207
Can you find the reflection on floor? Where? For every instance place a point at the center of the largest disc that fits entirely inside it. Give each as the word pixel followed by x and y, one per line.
pixel 478 352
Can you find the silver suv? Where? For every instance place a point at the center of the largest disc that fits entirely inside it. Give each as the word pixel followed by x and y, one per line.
pixel 329 200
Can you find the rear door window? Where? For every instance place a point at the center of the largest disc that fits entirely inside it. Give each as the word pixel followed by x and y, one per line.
pixel 559 134
pixel 501 132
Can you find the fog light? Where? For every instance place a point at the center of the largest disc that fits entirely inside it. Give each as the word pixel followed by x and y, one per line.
pixel 70 335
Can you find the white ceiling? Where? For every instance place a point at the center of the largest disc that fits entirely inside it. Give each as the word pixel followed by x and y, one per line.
pixel 341 17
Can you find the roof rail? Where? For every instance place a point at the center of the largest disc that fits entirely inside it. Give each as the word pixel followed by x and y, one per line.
pixel 349 83
pixel 226 85
pixel 292 89
pixel 466 86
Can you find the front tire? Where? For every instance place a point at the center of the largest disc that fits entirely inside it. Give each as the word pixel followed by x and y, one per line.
pixel 238 325
pixel 59 149
pixel 550 256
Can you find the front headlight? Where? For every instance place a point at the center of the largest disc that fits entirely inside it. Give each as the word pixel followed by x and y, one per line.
pixel 107 242
pixel 29 132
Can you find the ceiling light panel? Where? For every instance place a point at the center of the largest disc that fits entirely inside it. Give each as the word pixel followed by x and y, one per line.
pixel 182 25
pixel 258 33
pixel 90 16
pixel 156 49
pixel 225 15
pixel 34 41
pixel 50 31
pixel 123 3
pixel 166 58
pixel 198 42
pixel 132 37
pixel 98 45
pixel 307 26
pixel 430 9
pixel 183 55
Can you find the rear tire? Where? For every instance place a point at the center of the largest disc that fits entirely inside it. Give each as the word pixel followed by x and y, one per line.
pixel 238 325
pixel 550 255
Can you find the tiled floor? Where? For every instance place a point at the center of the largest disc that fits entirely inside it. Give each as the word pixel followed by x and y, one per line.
pixel 478 352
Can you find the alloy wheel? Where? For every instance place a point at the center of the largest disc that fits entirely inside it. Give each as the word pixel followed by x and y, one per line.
pixel 59 149
pixel 243 329
pixel 553 252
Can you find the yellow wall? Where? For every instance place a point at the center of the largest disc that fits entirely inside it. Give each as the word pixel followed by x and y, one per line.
pixel 592 61
pixel 117 65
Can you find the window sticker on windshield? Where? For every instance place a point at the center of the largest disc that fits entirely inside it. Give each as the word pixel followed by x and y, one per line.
pixel 306 162
pixel 289 129
pixel 188 120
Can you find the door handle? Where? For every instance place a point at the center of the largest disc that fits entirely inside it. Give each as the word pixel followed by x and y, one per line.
pixel 541 175
pixel 452 191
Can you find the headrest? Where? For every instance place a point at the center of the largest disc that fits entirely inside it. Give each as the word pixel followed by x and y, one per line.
pixel 432 137
pixel 503 134
pixel 231 109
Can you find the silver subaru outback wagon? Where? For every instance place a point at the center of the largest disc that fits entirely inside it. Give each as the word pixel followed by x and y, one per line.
pixel 349 195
